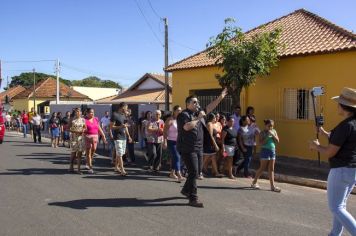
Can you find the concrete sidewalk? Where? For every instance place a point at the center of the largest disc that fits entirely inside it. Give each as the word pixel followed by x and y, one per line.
pixel 288 170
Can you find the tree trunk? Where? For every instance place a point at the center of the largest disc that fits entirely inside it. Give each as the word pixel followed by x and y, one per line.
pixel 235 94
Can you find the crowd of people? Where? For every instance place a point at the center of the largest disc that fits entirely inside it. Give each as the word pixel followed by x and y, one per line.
pixel 200 143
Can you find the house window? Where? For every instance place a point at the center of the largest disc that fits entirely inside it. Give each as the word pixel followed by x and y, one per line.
pixel 206 96
pixel 298 104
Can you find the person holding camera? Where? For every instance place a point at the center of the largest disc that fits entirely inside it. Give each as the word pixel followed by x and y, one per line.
pixel 190 140
pixel 341 152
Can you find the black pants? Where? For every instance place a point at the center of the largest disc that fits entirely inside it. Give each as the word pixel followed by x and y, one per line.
pixel 131 149
pixel 191 161
pixel 154 154
pixel 36 133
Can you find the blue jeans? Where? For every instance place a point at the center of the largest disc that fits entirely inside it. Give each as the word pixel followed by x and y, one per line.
pixel 25 129
pixel 247 160
pixel 172 147
pixel 341 181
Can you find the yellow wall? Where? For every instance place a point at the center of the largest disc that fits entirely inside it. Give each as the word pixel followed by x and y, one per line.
pixel 333 71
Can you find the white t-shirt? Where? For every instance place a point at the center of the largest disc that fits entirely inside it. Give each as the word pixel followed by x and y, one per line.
pixel 36 120
pixel 7 118
pixel 248 134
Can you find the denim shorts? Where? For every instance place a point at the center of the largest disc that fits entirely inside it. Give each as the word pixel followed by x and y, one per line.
pixel 267 154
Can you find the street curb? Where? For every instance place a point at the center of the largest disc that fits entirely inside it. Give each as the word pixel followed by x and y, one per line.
pixel 313 183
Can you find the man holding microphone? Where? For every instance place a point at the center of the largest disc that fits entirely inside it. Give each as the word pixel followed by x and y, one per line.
pixel 190 139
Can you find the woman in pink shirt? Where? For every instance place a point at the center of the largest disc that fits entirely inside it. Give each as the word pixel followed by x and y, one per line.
pixel 170 133
pixel 91 137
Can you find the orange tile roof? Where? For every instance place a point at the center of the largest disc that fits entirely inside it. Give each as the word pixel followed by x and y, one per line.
pixel 11 92
pixel 47 89
pixel 303 33
pixel 141 96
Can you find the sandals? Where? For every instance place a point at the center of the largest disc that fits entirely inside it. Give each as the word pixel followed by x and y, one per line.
pixel 173 176
pixel 123 174
pixel 255 186
pixel 276 189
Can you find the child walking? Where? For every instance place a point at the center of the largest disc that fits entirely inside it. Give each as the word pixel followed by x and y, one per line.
pixel 268 140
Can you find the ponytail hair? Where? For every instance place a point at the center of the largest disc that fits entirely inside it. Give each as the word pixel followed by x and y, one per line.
pixel 268 121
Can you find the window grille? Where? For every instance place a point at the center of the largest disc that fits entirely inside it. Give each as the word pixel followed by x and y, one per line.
pixel 206 96
pixel 298 104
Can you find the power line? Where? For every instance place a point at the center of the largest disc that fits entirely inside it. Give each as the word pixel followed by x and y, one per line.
pixel 183 45
pixel 26 61
pixel 154 11
pixel 148 23
pixel 89 72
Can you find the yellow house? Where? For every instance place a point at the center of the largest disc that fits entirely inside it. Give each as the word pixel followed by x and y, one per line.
pixel 317 53
pixel 44 93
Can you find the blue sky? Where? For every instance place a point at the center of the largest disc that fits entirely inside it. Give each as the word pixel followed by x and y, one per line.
pixel 110 38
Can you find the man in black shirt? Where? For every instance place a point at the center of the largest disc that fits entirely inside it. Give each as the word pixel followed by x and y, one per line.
pixel 190 142
pixel 119 133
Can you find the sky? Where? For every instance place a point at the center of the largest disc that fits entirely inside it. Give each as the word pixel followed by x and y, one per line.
pixel 121 40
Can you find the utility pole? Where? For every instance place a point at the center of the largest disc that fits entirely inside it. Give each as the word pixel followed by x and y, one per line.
pixel 57 84
pixel 0 76
pixel 34 89
pixel 7 82
pixel 166 79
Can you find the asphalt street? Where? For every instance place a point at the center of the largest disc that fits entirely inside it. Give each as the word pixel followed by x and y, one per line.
pixel 40 197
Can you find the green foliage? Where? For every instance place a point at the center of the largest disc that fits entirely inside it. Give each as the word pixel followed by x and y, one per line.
pixel 26 79
pixel 94 81
pixel 243 59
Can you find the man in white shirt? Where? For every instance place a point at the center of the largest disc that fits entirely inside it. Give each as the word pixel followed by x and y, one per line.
pixel 7 121
pixel 105 125
pixel 36 124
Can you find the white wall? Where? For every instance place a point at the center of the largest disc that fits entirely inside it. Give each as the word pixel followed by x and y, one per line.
pixel 150 84
pixel 96 93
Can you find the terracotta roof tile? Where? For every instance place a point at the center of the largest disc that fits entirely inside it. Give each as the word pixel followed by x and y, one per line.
pixel 303 33
pixel 12 92
pixel 141 96
pixel 47 89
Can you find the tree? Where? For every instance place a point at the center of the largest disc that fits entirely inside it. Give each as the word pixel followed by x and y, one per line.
pixel 243 59
pixel 26 79
pixel 93 81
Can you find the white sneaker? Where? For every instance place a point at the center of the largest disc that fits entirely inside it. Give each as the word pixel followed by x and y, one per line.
pixel 87 167
pixel 255 186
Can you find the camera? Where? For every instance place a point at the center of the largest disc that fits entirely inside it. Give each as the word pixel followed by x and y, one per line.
pixel 317 91
pixel 319 120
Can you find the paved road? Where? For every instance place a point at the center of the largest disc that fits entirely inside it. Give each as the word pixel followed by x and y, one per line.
pixel 39 197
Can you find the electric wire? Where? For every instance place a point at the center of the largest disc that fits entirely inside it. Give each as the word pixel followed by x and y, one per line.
pixel 148 23
pixel 154 11
pixel 89 72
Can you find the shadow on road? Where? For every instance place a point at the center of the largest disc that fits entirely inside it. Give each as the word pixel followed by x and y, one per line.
pixel 130 176
pixel 36 171
pixel 40 154
pixel 83 204
pixel 222 187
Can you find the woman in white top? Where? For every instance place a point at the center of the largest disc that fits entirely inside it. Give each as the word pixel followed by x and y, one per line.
pixel 154 141
pixel 247 135
pixel 170 134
